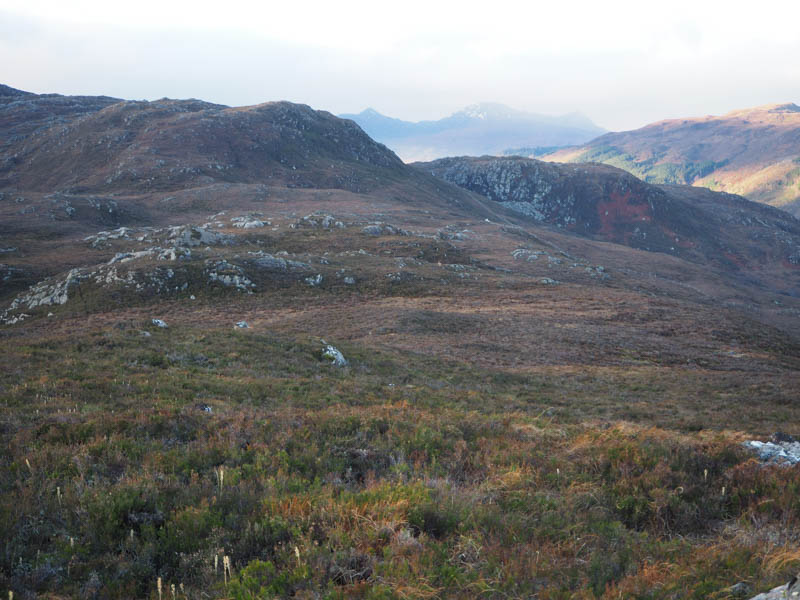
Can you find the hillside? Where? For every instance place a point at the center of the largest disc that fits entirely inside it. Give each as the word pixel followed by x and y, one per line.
pixel 753 152
pixel 23 113
pixel 486 128
pixel 175 144
pixel 605 203
pixel 317 372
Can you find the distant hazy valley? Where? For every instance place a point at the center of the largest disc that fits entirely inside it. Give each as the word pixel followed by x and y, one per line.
pixel 480 129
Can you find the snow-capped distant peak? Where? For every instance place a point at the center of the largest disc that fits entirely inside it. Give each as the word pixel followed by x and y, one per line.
pixel 487 110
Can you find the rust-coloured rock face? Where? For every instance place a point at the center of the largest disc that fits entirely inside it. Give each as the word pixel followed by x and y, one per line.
pixel 609 204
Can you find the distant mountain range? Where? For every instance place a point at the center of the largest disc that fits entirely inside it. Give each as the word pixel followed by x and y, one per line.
pixel 753 152
pixel 486 128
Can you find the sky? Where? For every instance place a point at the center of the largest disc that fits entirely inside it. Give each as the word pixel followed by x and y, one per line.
pixel 622 63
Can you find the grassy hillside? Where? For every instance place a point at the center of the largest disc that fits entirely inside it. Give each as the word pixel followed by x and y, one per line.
pixel 525 411
pixel 491 435
pixel 752 152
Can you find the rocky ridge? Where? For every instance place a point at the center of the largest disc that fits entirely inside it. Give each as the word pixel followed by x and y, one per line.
pixel 103 145
pixel 609 204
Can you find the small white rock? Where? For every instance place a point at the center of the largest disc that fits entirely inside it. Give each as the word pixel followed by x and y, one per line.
pixel 315 280
pixel 334 355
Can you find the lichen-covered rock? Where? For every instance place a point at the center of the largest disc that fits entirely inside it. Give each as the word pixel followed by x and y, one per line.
pixel 57 291
pixel 315 280
pixel 47 292
pixel 277 263
pixel 527 255
pixel 740 590
pixel 191 235
pixel 779 593
pixel 248 222
pixel 254 224
pixel 334 355
pixel 229 275
pixel 317 221
pixel 776 452
pixel 383 229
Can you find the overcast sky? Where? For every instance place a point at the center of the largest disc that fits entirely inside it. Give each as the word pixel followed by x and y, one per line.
pixel 623 64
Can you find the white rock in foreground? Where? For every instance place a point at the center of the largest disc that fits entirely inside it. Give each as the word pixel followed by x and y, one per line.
pixel 334 355
pixel 315 280
pixel 777 593
pixel 786 453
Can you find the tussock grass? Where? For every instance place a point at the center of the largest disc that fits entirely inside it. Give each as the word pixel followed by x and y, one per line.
pixel 372 481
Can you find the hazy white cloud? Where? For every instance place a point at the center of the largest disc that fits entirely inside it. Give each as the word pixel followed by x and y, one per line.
pixel 623 63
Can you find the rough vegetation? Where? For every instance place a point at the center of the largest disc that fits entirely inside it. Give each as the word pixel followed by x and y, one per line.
pixel 247 389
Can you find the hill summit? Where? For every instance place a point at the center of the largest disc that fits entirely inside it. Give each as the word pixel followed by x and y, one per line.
pixel 173 144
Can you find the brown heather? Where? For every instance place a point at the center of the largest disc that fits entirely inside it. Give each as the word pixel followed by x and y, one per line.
pixel 492 435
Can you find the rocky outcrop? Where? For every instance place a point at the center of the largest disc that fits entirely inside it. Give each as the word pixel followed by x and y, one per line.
pixel 229 275
pixel 782 449
pixel 248 222
pixel 377 229
pixel 605 203
pixel 271 262
pixel 779 593
pixel 317 221
pixel 566 196
pixel 334 355
pixel 191 235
